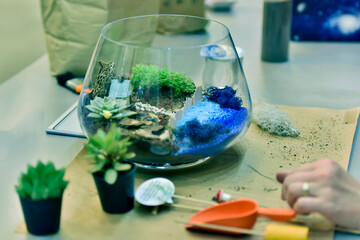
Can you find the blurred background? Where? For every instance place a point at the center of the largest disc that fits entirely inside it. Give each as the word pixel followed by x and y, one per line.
pixel 22 39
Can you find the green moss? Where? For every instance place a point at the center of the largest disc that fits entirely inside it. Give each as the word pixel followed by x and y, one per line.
pixel 145 76
pixel 150 76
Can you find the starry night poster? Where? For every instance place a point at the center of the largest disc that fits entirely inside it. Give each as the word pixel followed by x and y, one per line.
pixel 326 20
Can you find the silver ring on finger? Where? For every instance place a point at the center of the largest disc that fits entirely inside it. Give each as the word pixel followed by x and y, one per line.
pixel 306 189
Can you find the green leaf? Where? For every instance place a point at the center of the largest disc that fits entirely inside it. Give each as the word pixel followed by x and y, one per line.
pixel 64 184
pixel 91 148
pixel 110 176
pixel 121 150
pixel 108 140
pixel 125 142
pixel 118 109
pixel 93 108
pixel 100 157
pixel 21 192
pixel 41 182
pixel 129 155
pixel 114 130
pixel 98 167
pixel 124 114
pixel 97 141
pixel 101 135
pixel 97 102
pixel 112 148
pixel 94 115
pixel 91 156
pixel 122 166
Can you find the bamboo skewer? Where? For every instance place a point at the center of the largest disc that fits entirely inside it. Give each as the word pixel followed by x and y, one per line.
pixel 193 199
pixel 224 228
pixel 184 206
pixel 254 232
pixel 272 231
pixel 339 229
pixel 155 210
pixel 227 229
pixel 347 230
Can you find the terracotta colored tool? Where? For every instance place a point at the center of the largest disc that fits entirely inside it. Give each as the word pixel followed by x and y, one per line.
pixel 241 213
pixel 272 232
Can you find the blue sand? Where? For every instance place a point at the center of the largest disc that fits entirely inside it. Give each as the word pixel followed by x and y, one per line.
pixel 211 113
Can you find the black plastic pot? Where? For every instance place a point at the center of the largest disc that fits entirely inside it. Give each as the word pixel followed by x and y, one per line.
pixel 117 197
pixel 42 217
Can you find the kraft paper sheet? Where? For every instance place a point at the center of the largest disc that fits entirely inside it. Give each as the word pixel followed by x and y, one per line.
pixel 247 169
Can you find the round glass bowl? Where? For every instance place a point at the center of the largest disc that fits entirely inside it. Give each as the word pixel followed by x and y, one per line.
pixel 174 84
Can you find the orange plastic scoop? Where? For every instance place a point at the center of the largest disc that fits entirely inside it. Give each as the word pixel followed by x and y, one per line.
pixel 241 213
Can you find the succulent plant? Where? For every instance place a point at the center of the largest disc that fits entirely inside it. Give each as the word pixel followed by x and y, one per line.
pixel 41 182
pixel 108 108
pixel 108 151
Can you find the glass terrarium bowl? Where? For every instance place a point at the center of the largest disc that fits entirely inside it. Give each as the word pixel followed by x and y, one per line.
pixel 174 84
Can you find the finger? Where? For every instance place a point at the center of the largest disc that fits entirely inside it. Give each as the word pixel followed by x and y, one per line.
pixel 280 176
pixel 293 193
pixel 300 177
pixel 308 166
pixel 303 173
pixel 297 190
pixel 306 205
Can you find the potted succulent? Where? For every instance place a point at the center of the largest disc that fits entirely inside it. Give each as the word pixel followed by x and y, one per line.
pixel 114 176
pixel 40 190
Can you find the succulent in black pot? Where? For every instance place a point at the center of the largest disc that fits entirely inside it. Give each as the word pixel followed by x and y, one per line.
pixel 113 174
pixel 40 190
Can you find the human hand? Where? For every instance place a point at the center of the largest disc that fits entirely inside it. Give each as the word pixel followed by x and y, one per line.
pixel 332 192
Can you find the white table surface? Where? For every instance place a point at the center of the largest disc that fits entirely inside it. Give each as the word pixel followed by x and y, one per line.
pixel 317 74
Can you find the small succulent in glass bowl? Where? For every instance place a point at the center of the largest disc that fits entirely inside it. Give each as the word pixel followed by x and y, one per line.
pixel 101 112
pixel 108 108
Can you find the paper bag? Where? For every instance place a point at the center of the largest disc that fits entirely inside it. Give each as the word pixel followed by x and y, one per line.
pixel 72 28
pixel 182 7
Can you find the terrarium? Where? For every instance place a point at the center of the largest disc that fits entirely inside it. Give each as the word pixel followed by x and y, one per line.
pixel 174 84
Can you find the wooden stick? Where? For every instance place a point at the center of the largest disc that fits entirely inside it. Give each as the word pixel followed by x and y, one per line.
pixel 184 206
pixel 155 210
pixel 194 199
pixel 339 229
pixel 254 232
pixel 347 230
pixel 224 228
